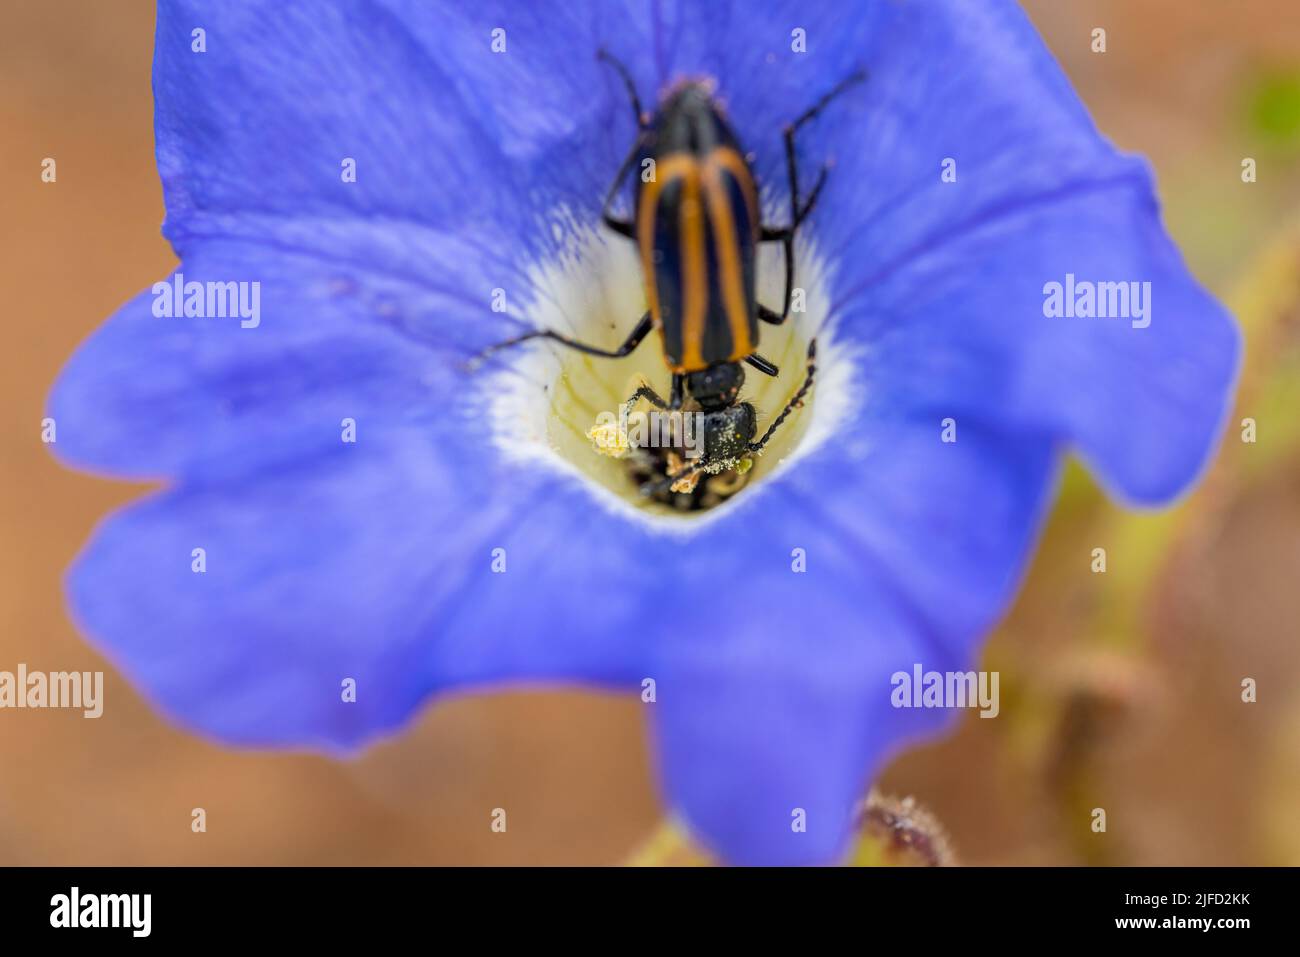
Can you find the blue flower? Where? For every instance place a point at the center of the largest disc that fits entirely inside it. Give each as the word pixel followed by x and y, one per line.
pixel 282 561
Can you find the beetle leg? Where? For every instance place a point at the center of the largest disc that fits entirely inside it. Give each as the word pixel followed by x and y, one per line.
pixel 620 226
pixel 795 400
pixel 650 489
pixel 799 213
pixel 791 164
pixel 633 340
pixel 770 234
pixel 761 364
pixel 644 392
pixel 788 241
pixel 623 227
pixel 787 236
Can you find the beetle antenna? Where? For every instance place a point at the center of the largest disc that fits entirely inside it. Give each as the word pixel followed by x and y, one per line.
pixel 795 402
pixel 607 57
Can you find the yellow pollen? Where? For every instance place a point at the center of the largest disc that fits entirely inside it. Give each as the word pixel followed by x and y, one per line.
pixel 608 438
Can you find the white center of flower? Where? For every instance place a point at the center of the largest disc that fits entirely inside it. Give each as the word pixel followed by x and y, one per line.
pixel 544 398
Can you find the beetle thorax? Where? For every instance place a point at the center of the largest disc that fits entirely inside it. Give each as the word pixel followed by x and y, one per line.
pixel 716 387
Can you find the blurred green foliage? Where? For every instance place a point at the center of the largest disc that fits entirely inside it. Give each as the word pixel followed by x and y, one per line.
pixel 1274 109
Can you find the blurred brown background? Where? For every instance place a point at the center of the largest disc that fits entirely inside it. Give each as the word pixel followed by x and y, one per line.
pixel 1119 690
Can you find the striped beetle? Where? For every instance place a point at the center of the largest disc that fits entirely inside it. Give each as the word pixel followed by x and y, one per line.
pixel 697 224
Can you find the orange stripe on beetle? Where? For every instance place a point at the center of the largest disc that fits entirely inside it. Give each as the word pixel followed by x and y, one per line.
pixel 731 282
pixel 735 164
pixel 695 273
pixel 666 172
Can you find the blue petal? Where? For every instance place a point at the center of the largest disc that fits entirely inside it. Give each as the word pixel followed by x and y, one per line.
pixel 211 398
pixel 445 134
pixel 293 600
pixel 770 728
pixel 960 331
pixel 371 562
pixel 775 696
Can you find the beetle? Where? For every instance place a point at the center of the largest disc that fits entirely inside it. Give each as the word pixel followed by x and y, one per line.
pixel 697 224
